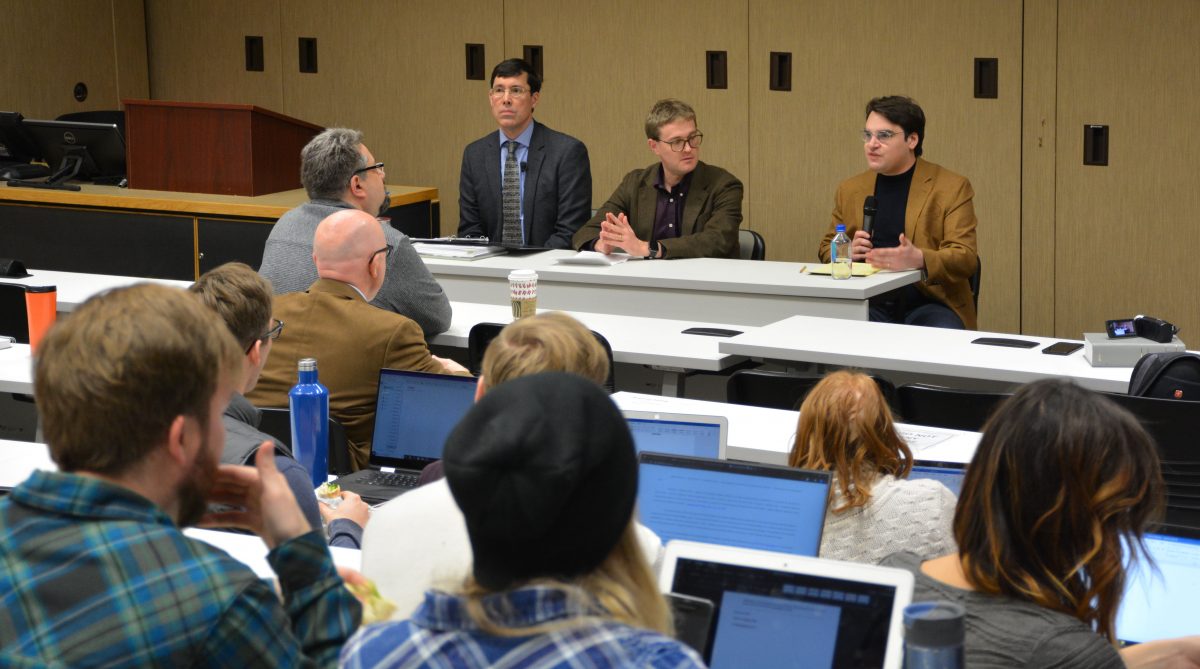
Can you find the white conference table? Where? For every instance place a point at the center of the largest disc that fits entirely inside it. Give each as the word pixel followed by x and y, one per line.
pixel 920 350
pixel 658 343
pixel 19 459
pixel 764 435
pixel 16 369
pixel 739 291
pixel 74 288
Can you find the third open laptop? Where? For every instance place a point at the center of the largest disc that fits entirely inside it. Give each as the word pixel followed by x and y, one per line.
pixel 758 506
pixel 414 414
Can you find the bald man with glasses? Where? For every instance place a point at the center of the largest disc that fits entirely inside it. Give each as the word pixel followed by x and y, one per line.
pixel 334 322
pixel 678 207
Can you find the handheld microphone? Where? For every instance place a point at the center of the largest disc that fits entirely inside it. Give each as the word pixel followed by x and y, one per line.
pixel 869 209
pixel 524 167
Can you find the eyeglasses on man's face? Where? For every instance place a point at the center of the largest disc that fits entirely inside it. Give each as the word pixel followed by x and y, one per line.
pixel 882 135
pixel 514 92
pixel 693 140
pixel 387 251
pixel 376 166
pixel 271 334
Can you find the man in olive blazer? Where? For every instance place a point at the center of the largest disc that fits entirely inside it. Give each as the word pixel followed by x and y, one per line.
pixel 644 217
pixel 334 322
pixel 925 220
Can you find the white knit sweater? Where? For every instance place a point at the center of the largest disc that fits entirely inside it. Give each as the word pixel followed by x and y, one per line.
pixel 902 515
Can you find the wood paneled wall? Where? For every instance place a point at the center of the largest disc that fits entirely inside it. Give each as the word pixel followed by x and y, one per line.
pixel 50 45
pixel 1064 246
pixel 1125 234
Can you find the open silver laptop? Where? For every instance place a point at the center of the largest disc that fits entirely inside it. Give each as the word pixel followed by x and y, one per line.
pixel 780 610
pixel 679 434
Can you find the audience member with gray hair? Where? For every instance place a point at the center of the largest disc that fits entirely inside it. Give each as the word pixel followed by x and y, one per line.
pixel 339 172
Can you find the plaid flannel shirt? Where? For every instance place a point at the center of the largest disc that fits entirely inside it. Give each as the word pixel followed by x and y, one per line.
pixel 441 636
pixel 92 574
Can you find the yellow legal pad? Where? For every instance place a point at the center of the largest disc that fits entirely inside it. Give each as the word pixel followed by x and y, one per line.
pixel 856 269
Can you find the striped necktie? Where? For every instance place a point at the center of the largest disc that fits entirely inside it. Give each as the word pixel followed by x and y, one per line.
pixel 512 196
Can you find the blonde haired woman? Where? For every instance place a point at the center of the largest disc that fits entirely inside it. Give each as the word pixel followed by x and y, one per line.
pixel 875 510
pixel 544 471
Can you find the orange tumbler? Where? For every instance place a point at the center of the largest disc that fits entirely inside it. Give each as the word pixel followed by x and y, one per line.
pixel 41 304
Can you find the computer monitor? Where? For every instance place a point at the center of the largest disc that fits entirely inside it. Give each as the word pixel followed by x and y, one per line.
pixel 86 151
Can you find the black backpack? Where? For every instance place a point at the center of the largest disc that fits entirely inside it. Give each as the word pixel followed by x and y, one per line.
pixel 1171 376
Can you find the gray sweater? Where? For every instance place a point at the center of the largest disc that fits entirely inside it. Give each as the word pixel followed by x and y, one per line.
pixel 1006 632
pixel 408 288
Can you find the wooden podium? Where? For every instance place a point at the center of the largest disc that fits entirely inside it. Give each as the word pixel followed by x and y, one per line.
pixel 196 147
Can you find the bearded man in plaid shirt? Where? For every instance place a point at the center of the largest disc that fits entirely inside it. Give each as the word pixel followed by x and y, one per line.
pixel 94 569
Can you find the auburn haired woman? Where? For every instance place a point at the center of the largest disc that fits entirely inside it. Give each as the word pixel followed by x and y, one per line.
pixel 846 428
pixel 1063 482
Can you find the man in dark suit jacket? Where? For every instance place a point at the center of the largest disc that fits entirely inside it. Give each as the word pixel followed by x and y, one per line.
pixel 334 322
pixel 678 207
pixel 549 172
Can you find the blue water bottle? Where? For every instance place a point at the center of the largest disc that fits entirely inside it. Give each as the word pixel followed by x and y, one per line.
pixel 309 403
pixel 933 635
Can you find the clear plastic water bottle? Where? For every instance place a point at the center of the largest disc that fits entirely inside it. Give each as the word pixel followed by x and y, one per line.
pixel 934 635
pixel 309 403
pixel 839 254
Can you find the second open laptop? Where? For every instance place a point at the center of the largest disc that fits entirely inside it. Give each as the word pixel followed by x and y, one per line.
pixel 765 507
pixel 414 414
pixel 679 434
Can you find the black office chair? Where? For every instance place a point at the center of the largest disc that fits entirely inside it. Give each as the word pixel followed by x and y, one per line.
pixel 950 408
pixel 1174 425
pixel 974 281
pixel 482 334
pixel 18 417
pixel 278 423
pixel 782 390
pixel 751 245
pixel 14 314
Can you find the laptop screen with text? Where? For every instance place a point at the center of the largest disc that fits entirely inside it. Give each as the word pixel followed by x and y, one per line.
pixel 802 612
pixel 1162 604
pixel 678 434
pixel 414 415
pixel 740 504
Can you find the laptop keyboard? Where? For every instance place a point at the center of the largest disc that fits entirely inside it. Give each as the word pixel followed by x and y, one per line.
pixel 391 479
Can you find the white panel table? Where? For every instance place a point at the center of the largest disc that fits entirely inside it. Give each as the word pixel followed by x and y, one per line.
pixel 658 343
pixel 16 370
pixel 701 289
pixel 74 288
pixel 920 350
pixel 764 435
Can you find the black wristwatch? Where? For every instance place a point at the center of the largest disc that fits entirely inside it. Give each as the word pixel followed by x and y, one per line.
pixel 655 248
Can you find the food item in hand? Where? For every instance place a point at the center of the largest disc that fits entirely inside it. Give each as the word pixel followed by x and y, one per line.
pixel 376 607
pixel 329 494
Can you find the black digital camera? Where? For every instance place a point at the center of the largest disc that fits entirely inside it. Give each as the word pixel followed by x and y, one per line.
pixel 1155 329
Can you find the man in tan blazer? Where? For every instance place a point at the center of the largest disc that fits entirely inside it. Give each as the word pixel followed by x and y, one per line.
pixel 334 322
pixel 925 220
pixel 678 207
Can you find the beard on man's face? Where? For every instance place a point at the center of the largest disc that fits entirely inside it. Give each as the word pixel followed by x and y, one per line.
pixel 195 489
